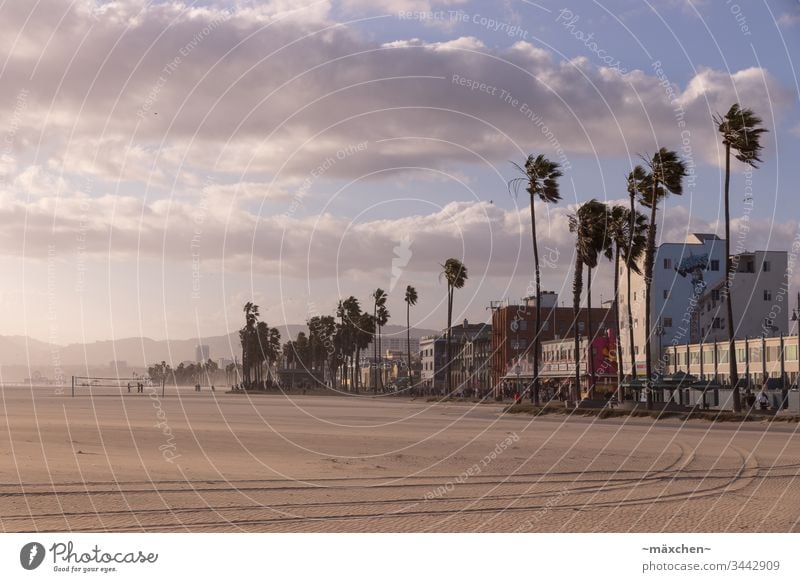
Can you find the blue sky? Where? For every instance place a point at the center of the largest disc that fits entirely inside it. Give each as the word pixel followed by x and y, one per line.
pixel 164 162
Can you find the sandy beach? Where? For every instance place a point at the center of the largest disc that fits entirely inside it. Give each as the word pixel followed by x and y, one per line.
pixel 222 462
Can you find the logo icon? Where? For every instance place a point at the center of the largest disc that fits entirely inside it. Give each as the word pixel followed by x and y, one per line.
pixel 31 555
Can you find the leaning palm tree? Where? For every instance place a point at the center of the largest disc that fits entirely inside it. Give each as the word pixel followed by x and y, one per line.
pixel 741 131
pixel 379 297
pixel 636 180
pixel 540 178
pixel 665 176
pixel 628 247
pixel 588 244
pixel 455 273
pixel 411 299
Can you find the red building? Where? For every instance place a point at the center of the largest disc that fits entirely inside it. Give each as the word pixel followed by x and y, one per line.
pixel 513 329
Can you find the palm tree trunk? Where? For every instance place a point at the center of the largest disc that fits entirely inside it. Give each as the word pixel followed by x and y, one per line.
pixel 648 279
pixel 449 336
pixel 374 366
pixel 408 344
pixel 577 288
pixel 630 305
pixel 617 316
pixel 535 387
pixel 589 335
pixel 380 357
pixel 732 368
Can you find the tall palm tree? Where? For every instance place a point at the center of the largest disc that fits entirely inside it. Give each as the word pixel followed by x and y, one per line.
pixel 382 319
pixel 455 273
pixel 411 299
pixel 636 180
pixel 365 332
pixel 379 298
pixel 588 226
pixel 540 178
pixel 247 337
pixel 741 131
pixel 627 233
pixel 665 176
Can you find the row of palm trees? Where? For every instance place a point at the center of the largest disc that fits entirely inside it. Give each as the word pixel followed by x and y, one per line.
pixel 625 234
pixel 335 343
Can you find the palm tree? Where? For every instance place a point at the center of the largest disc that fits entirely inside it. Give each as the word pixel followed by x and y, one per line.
pixel 382 319
pixel 635 181
pixel 588 225
pixel 628 249
pixel 455 273
pixel 365 332
pixel 665 176
pixel 411 299
pixel 741 131
pixel 379 297
pixel 248 340
pixel 540 178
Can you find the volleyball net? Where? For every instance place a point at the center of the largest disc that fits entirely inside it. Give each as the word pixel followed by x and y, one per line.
pixel 96 385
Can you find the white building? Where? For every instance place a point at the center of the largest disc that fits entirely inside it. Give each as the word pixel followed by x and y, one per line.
pixel 757 308
pixel 432 356
pixel 681 274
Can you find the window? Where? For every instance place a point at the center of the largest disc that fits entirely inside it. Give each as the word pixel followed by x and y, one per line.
pixel 637 350
pixel 523 325
pixel 634 295
pixel 717 324
pixel 636 322
pixel 667 322
pixel 667 263
pixel 580 326
pixel 714 264
pixel 767 266
pixel 715 295
pixel 768 322
pixel 767 295
pixel 666 293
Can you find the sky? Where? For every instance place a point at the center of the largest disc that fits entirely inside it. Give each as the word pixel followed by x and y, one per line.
pixel 161 163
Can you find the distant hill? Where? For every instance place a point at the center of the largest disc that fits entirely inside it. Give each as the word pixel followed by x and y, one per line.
pixel 137 352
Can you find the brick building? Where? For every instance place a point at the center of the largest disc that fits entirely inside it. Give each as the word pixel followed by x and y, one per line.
pixel 513 328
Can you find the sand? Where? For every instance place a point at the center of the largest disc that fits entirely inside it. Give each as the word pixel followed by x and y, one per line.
pixel 222 462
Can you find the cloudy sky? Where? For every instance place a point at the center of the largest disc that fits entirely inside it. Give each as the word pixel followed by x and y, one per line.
pixel 163 162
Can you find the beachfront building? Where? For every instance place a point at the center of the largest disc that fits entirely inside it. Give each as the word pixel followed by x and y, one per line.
pixel 557 369
pixel 758 307
pixel 770 362
pixel 432 350
pixel 433 355
pixel 682 272
pixel 513 328
pixel 471 359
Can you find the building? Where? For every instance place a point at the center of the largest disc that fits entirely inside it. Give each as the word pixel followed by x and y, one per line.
pixel 557 369
pixel 432 356
pixel 681 274
pixel 472 359
pixel 755 286
pixel 513 328
pixel 433 353
pixel 770 362
pixel 202 353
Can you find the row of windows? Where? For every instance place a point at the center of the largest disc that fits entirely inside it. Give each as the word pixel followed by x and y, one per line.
pixel 755 355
